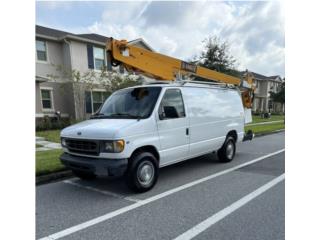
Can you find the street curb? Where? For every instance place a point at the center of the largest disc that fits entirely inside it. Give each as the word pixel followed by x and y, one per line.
pixel 264 123
pixel 268 133
pixel 52 177
pixel 57 176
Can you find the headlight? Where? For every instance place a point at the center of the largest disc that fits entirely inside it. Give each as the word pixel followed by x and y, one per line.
pixel 113 146
pixel 63 142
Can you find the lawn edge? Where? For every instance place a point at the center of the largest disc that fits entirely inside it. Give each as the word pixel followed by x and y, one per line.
pixel 53 177
pixel 268 133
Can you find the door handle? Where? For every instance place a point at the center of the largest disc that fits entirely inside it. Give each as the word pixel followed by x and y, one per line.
pixel 187 131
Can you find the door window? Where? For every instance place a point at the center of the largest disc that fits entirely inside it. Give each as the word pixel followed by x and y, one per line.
pixel 172 105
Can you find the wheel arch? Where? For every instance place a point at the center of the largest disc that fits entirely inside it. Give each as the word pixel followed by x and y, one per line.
pixel 233 133
pixel 147 148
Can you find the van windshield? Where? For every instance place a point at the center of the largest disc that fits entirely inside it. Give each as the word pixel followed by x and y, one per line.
pixel 133 103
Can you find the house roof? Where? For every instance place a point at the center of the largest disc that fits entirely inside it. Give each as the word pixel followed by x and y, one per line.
pixel 58 35
pixel 50 32
pixel 142 42
pixel 261 77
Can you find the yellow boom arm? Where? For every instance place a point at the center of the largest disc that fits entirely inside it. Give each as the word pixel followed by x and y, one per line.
pixel 162 67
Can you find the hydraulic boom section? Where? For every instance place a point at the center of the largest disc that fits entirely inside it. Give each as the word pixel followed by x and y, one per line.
pixel 162 67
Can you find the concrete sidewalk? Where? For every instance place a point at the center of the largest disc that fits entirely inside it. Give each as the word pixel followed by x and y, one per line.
pixel 46 145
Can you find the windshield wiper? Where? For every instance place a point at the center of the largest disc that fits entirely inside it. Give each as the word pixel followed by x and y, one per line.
pixel 124 115
pixel 97 115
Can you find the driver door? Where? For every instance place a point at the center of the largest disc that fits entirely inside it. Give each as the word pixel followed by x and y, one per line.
pixel 173 127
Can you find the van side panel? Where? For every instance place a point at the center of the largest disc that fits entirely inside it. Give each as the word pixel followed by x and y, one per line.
pixel 212 113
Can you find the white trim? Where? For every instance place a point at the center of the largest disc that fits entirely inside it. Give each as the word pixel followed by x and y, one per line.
pixel 43 62
pixel 68 36
pixel 84 39
pixel 91 97
pixel 39 115
pixel 107 216
pixel 51 99
pixel 41 79
pixel 98 90
pixel 135 41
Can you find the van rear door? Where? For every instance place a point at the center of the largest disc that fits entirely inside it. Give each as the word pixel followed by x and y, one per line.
pixel 173 127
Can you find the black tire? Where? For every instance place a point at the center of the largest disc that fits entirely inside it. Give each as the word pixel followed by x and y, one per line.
pixel 228 150
pixel 142 172
pixel 84 175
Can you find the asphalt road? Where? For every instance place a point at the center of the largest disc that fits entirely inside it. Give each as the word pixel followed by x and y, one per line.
pixel 200 199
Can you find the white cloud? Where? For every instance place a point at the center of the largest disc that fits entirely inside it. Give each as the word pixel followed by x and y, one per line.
pixel 255 30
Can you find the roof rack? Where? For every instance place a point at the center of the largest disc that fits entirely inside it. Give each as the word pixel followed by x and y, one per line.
pixel 158 82
pixel 183 82
pixel 208 83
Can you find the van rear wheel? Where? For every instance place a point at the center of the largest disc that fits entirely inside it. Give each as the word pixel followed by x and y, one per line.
pixel 142 173
pixel 227 151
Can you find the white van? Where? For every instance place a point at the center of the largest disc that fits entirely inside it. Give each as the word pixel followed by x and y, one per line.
pixel 142 128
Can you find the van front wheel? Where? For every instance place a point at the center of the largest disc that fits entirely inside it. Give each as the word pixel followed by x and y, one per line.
pixel 227 151
pixel 142 173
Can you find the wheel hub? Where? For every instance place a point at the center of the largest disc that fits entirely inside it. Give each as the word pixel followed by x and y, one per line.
pixel 230 150
pixel 146 173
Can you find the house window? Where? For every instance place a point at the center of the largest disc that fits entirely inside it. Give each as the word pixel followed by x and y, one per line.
pixel 41 50
pixel 98 54
pixel 46 98
pixel 94 100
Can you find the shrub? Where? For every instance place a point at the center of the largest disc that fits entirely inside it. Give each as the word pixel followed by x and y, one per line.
pixel 51 123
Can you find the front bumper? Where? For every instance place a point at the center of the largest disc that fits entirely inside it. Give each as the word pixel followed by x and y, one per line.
pixel 98 166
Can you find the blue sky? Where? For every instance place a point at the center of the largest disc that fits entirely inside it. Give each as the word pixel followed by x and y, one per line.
pixel 254 30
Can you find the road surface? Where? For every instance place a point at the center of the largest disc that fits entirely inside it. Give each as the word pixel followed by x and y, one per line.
pixel 196 199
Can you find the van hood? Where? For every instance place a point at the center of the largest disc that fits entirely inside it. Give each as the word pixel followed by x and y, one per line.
pixel 97 128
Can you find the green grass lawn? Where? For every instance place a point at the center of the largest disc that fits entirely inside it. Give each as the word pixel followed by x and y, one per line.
pixel 266 127
pixel 48 162
pixel 50 135
pixel 257 119
pixel 38 145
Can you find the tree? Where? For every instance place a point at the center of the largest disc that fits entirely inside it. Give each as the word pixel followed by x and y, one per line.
pixel 87 81
pixel 216 56
pixel 279 97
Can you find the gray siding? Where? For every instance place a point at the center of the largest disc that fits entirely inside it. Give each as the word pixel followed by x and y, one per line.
pixel 54 58
pixel 58 54
pixel 38 101
pixel 79 58
pixel 66 56
pixel 63 100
